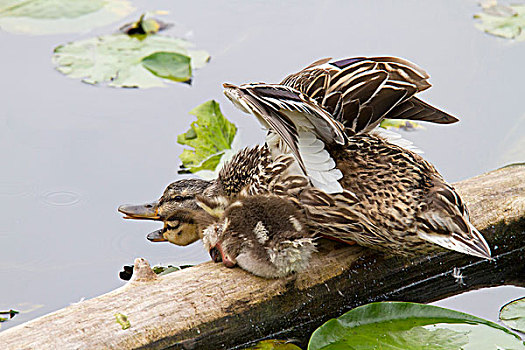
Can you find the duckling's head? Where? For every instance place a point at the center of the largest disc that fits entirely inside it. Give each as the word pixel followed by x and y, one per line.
pixel 178 195
pixel 179 232
pixel 264 235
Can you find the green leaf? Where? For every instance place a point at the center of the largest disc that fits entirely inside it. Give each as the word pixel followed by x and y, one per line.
pixel 58 16
pixel 144 26
pixel 12 313
pixel 169 65
pixel 407 125
pixel 274 344
pixel 399 325
pixel 118 59
pixel 164 270
pixel 513 314
pixel 501 20
pixel 208 137
pixel 122 320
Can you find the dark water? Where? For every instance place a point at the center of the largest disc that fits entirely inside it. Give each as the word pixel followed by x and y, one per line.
pixel 72 152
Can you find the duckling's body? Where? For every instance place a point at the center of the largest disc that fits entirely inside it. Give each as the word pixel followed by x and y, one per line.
pixel 265 235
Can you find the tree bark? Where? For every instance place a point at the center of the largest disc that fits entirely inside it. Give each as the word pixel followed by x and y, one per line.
pixel 212 307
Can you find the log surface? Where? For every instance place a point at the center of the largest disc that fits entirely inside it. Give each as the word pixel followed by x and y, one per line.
pixel 212 307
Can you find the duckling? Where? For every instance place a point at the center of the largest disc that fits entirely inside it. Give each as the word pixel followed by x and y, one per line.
pixel 263 234
pixel 363 187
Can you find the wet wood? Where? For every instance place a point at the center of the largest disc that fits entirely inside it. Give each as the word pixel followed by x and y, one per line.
pixel 211 307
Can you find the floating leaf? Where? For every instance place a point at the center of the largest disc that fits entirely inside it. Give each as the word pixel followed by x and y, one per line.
pixel 12 313
pixel 118 59
pixel 513 314
pixel 502 20
pixel 127 270
pixel 407 125
pixel 144 26
pixel 274 344
pixel 210 136
pixel 57 16
pixel 122 320
pixel 169 65
pixel 398 325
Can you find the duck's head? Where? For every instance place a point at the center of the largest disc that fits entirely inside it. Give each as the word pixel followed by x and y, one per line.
pixel 178 195
pixel 264 235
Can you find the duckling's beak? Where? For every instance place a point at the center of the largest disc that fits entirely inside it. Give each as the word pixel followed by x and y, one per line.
pixel 217 255
pixel 149 211
pixel 156 236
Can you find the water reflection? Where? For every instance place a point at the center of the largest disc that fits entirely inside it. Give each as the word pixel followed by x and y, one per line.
pixel 74 152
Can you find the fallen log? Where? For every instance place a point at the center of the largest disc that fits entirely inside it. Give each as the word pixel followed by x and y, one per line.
pixel 212 307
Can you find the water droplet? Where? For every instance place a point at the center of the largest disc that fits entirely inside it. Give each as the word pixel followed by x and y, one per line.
pixel 61 198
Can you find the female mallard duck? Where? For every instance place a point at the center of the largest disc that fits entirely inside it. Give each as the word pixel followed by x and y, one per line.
pixel 363 187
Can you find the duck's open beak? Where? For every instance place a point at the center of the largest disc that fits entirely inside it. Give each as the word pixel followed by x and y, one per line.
pixel 156 236
pixel 149 211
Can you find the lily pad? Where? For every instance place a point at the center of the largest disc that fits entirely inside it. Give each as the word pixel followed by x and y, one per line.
pixel 399 325
pixel 169 65
pixel 209 136
pixel 513 314
pixel 57 16
pixel 507 21
pixel 118 59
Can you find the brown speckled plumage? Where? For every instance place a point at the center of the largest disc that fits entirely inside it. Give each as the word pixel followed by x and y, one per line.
pixel 265 235
pixel 379 194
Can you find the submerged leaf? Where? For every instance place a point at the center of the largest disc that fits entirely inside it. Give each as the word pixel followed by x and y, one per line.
pixel 57 16
pixel 513 314
pixel 118 59
pixel 209 137
pixel 169 65
pixel 399 325
pixel 274 344
pixel 122 320
pixel 502 20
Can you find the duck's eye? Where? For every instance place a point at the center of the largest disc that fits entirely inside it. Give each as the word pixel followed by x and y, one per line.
pixel 178 198
pixel 172 227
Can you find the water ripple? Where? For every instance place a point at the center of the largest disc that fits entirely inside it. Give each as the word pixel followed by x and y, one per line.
pixel 61 198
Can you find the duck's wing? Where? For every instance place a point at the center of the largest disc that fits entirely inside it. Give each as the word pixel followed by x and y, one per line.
pixel 303 126
pixel 361 91
pixel 444 220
